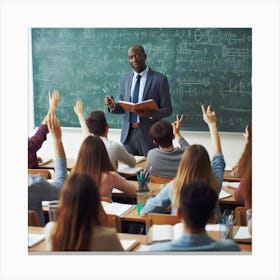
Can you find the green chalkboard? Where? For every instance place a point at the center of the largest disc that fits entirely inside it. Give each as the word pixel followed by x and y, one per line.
pixel 203 65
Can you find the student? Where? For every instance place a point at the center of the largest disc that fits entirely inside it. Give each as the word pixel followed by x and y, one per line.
pixel 197 203
pixel 78 226
pixel 150 85
pixel 97 125
pixel 194 165
pixel 35 142
pixel 94 160
pixel 240 168
pixel 164 161
pixel 243 194
pixel 40 189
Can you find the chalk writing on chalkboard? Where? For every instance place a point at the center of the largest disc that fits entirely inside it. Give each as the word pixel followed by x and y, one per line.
pixel 203 65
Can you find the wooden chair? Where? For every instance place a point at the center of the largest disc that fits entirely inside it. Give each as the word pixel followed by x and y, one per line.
pixel 161 219
pixel 160 180
pixel 33 218
pixel 46 174
pixel 110 220
pixel 240 216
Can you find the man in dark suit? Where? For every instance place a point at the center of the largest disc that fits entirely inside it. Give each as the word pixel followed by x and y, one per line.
pixel 141 84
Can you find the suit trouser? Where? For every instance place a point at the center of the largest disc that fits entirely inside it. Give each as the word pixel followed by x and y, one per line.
pixel 135 143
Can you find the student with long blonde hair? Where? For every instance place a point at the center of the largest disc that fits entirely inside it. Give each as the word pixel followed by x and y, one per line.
pixel 195 165
pixel 93 159
pixel 78 226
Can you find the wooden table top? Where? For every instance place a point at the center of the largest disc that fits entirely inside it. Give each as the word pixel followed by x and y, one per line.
pixel 143 239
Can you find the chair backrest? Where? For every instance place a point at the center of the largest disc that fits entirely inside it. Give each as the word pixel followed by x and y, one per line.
pixel 33 218
pixel 161 219
pixel 45 172
pixel 240 216
pixel 160 180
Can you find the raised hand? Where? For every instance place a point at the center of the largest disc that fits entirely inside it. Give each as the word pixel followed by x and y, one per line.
pixel 54 126
pixel 177 125
pixel 78 108
pixel 53 100
pixel 208 116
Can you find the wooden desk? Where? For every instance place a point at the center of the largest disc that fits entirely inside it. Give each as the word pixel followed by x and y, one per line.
pixel 70 164
pixel 228 178
pixel 41 247
pixel 143 239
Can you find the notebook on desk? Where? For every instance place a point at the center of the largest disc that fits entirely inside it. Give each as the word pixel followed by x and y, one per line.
pixel 164 232
pixel 119 209
pixel 34 238
pixel 125 169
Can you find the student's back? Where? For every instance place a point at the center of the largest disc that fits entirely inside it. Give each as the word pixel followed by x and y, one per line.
pixel 197 205
pixel 79 225
pixel 164 161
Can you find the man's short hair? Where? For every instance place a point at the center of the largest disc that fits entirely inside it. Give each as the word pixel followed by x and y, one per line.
pixel 162 133
pixel 96 123
pixel 197 203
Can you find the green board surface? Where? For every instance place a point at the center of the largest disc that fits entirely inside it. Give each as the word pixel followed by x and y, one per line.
pixel 203 65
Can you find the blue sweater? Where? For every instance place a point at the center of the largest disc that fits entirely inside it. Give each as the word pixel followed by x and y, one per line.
pixel 40 189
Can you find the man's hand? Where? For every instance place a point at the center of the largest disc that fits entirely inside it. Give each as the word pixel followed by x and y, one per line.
pixel 109 101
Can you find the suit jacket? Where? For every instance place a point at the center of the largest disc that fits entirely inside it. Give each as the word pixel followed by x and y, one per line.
pixel 156 88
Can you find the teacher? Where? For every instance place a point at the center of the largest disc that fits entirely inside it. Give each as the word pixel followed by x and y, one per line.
pixel 141 84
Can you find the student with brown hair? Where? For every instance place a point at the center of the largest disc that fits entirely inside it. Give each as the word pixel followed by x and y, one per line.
pixel 96 124
pixel 78 226
pixel 245 159
pixel 164 160
pixel 93 159
pixel 243 194
pixel 195 165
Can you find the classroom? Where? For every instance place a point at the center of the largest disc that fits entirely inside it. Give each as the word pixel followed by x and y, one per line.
pixel 209 66
pixel 20 103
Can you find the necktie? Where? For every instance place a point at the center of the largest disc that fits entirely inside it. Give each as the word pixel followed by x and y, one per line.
pixel 133 116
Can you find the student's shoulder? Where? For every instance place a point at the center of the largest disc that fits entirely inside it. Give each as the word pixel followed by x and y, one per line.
pixel 160 246
pixel 227 245
pixel 104 232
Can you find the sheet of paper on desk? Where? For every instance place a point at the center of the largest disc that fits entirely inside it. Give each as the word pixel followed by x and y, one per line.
pixel 223 194
pixel 123 168
pixel 114 190
pixel 233 185
pixel 34 238
pixel 242 233
pixel 139 158
pixel 45 159
pixel 128 244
